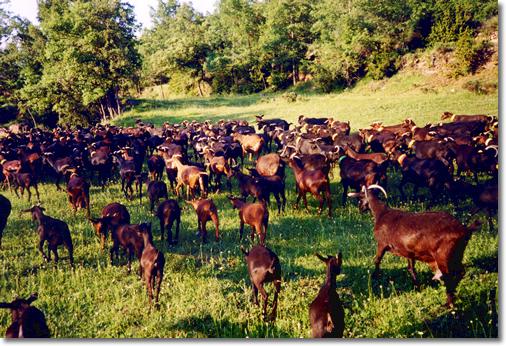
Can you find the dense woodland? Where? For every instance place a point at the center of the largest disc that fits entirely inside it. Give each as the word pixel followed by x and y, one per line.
pixel 84 58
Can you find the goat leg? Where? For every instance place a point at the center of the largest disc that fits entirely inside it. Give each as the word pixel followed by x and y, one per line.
pixel 37 192
pixel 379 256
pixel 277 286
pixel 412 272
pixel 241 229
pixel 265 299
pixel 255 294
pixel 41 249
pixel 304 199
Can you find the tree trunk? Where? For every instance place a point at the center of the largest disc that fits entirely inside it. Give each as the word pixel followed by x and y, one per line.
pixel 294 78
pixel 161 89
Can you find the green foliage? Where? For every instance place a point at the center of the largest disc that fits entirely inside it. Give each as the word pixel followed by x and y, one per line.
pixel 455 20
pixel 78 64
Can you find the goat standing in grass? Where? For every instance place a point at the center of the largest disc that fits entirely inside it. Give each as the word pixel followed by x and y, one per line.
pixel 254 214
pixel 152 264
pixel 436 238
pixel 326 312
pixel 54 231
pixel 263 266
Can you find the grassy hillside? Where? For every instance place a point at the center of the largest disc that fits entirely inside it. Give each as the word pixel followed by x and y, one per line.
pixel 422 97
pixel 206 290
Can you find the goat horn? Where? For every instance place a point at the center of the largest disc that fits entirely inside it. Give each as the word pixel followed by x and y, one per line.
pixel 376 186
pixel 495 147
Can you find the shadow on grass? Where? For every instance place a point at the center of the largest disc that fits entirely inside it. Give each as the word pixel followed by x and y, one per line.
pixel 477 319
pixel 208 326
pixel 143 105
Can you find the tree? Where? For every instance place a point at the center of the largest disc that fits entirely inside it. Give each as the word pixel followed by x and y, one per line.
pixel 286 37
pixel 90 59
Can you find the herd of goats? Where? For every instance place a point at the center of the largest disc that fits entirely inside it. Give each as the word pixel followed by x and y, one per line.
pixel 197 155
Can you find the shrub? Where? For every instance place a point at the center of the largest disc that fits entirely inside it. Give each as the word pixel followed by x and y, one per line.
pixel 480 88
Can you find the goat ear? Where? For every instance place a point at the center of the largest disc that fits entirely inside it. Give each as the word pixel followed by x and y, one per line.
pixel 33 297
pixel 323 259
pixel 339 258
pixel 5 305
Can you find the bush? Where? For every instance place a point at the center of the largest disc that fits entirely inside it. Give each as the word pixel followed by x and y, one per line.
pixel 8 113
pixel 470 56
pixel 384 64
pixel 479 87
pixel 290 96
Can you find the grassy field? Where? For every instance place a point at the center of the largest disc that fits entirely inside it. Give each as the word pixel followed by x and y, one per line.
pixel 407 95
pixel 206 290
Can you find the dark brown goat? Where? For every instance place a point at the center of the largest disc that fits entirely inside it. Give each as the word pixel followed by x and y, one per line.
pixel 113 215
pixel 206 211
pixel 254 214
pixel 315 182
pixel 152 263
pixel 326 312
pixel 27 321
pixel 169 211
pixel 156 190
pixel 78 191
pixel 271 185
pixel 54 231
pixel 24 181
pixel 249 186
pixel 263 267
pixel 436 238
pixel 127 236
pixel 156 164
pixel 5 211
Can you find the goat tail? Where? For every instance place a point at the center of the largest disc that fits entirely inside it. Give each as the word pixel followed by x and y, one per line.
pixel 476 225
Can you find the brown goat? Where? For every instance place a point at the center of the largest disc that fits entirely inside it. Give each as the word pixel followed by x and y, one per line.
pixel 436 238
pixel 54 231
pixel 78 191
pixel 263 266
pixel 169 211
pixel 127 236
pixel 316 182
pixel 156 190
pixel 24 181
pixel 27 321
pixel 326 312
pixel 113 215
pixel 152 264
pixel 206 210
pixel 250 143
pixel 254 214
pixel 191 176
pixel 379 158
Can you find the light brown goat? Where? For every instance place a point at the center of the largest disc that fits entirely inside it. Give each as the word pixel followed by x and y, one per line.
pixel 250 143
pixel 254 214
pixel 191 176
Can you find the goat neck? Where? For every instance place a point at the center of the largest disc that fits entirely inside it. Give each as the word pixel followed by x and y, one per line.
pixel 377 207
pixel 330 279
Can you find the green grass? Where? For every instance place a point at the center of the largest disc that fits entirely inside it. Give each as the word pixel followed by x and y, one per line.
pixel 206 290
pixel 407 95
